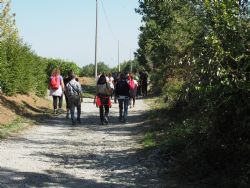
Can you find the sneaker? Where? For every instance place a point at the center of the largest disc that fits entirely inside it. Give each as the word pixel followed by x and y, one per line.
pixel 78 120
pixel 106 121
pixel 120 120
pixel 60 110
pixel 55 112
pixel 73 123
pixel 67 116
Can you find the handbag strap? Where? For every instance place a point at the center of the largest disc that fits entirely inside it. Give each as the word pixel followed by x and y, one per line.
pixel 74 88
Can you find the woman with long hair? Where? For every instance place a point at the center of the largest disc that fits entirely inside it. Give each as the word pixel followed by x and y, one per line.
pixel 56 90
pixel 102 98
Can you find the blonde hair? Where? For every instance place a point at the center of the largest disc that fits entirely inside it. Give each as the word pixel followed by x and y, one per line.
pixel 55 71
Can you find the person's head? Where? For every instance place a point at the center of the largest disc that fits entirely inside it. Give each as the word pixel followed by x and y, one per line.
pixel 131 76
pixel 56 72
pixel 102 79
pixel 110 75
pixel 123 76
pixel 71 75
pixel 70 72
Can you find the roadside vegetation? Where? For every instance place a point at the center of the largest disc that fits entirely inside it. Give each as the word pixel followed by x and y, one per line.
pixel 197 53
pixel 15 126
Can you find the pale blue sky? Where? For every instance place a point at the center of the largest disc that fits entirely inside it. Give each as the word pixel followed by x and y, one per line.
pixel 65 29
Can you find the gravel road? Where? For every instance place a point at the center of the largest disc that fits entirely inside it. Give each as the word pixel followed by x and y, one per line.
pixel 55 154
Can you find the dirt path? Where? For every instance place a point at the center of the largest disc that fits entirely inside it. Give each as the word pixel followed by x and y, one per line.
pixel 55 154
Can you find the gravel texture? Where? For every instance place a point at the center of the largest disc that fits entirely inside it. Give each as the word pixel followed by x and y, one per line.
pixel 56 154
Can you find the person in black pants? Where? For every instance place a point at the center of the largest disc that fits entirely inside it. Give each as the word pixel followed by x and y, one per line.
pixel 66 80
pixel 102 98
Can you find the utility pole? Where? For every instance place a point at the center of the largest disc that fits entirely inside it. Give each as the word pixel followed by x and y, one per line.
pixel 96 29
pixel 131 63
pixel 119 68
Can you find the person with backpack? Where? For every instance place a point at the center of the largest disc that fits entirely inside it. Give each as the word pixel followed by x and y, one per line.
pixel 56 90
pixel 74 94
pixel 123 96
pixel 102 98
pixel 67 80
pixel 133 84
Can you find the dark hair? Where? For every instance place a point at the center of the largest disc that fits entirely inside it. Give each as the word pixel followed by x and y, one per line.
pixel 102 79
pixel 71 74
pixel 123 76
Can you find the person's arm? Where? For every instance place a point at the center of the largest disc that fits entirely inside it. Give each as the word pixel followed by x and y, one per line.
pixel 80 91
pixel 62 83
pixel 97 91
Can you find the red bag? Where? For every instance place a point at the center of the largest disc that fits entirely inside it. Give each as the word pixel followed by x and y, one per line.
pixel 131 84
pixel 109 103
pixel 55 82
pixel 98 101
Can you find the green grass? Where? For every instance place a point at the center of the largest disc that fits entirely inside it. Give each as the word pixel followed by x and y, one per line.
pixel 149 140
pixel 17 125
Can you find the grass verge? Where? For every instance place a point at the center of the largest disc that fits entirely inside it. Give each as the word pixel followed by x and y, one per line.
pixel 17 125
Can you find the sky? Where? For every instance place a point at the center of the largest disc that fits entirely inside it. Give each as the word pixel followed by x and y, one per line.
pixel 65 29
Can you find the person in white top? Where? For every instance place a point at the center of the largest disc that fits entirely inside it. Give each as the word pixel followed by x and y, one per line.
pixel 110 80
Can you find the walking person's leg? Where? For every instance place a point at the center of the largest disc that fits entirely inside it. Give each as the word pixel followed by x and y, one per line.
pixel 120 109
pixel 78 110
pixel 55 104
pixel 125 113
pixel 106 117
pixel 142 89
pixel 67 106
pixel 101 114
pixel 72 110
pixel 60 99
pixel 133 101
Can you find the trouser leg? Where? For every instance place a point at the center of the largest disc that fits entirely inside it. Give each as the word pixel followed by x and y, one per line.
pixel 55 102
pixel 79 111
pixel 72 108
pixel 60 101
pixel 106 112
pixel 101 113
pixel 72 113
pixel 125 113
pixel 120 108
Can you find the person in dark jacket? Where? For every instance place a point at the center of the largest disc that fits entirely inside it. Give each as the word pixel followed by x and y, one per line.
pixel 123 96
pixel 66 80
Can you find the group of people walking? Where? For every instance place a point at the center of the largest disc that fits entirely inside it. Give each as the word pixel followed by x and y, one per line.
pixel 72 91
pixel 124 87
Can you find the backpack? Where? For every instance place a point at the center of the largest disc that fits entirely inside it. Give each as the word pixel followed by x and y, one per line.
pixel 131 84
pixel 55 82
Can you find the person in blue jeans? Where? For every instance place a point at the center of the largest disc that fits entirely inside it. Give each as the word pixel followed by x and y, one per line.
pixel 123 96
pixel 74 94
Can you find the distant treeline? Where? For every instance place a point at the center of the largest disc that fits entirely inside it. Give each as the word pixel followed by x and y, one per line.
pixel 89 70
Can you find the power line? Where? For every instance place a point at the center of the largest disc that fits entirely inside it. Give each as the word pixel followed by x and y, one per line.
pixel 108 23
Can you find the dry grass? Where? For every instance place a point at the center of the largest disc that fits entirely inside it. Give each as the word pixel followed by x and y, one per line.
pixel 22 105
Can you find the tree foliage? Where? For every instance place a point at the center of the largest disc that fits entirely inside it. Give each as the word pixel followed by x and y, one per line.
pixel 21 70
pixel 199 48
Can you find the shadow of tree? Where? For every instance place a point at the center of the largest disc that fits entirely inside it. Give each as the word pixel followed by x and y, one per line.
pixel 49 178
